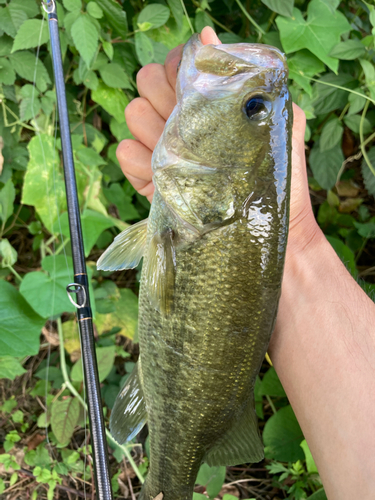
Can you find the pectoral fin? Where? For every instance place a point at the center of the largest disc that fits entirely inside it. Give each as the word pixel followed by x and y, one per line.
pixel 240 444
pixel 129 413
pixel 126 250
pixel 160 272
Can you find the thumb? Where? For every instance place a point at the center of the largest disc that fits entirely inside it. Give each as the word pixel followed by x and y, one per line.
pixel 208 36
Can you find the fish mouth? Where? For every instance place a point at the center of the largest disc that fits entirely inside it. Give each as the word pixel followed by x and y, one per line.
pixel 226 66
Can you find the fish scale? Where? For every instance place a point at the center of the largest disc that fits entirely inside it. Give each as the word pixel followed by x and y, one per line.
pixel 213 250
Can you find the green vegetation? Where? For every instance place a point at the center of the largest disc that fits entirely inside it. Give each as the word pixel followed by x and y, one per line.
pixel 330 48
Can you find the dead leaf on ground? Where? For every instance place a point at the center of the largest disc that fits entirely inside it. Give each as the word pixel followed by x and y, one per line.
pixel 347 188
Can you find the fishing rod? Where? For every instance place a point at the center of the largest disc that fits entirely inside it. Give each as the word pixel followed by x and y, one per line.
pixel 78 292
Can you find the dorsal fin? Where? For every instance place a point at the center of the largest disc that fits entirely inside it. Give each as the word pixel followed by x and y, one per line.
pixel 126 250
pixel 160 271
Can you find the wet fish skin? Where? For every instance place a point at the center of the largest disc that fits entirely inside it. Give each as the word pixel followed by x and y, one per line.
pixel 217 235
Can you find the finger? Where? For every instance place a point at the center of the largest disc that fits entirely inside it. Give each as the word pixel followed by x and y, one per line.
pixel 208 36
pixel 135 162
pixel 171 62
pixel 144 122
pixel 153 85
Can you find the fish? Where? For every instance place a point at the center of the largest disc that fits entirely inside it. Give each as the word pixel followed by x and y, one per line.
pixel 213 250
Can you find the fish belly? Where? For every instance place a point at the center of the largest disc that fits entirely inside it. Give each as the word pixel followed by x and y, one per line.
pixel 200 362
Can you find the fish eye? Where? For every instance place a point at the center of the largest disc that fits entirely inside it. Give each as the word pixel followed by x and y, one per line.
pixel 257 107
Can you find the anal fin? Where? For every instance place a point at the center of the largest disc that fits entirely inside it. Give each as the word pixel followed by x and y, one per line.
pixel 126 250
pixel 129 413
pixel 240 444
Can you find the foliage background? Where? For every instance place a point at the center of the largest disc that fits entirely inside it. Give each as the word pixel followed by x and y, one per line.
pixel 45 443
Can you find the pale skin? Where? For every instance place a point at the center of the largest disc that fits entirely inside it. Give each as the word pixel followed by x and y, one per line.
pixel 323 346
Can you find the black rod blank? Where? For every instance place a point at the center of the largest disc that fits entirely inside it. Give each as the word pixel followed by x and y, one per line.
pixel 79 289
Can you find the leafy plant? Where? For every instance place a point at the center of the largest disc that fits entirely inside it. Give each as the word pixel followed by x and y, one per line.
pixel 330 50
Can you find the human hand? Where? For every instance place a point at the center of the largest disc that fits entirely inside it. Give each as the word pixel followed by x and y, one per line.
pixel 146 117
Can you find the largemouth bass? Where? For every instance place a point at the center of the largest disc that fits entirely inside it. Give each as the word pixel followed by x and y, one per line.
pixel 213 250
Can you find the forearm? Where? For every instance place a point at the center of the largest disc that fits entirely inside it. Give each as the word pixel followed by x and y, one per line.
pixel 323 349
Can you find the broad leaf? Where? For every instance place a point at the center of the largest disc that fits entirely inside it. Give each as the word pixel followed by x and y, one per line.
pixel 20 326
pixel 331 134
pixel 154 14
pixel 10 368
pixel 202 19
pixel 7 74
pixel 357 103
pixel 11 18
pixel 271 384
pixel 144 48
pixel 282 7
pixel 116 195
pixel 64 418
pixel 326 165
pixel 44 186
pixel 115 16
pixel 125 315
pixel 304 64
pixel 349 50
pixel 94 10
pixel 28 36
pixel 8 254
pixel 318 495
pixel 177 11
pixel 328 97
pixel 105 357
pixel 86 38
pixel 114 76
pixel 212 478
pixel 46 291
pixel 318 33
pixel 114 101
pixel 72 5
pixel 24 63
pixel 7 196
pixel 368 176
pixel 354 121
pixel 282 436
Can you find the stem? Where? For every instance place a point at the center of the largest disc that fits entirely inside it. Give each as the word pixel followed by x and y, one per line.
pixel 363 149
pixel 247 15
pixel 187 17
pixel 338 87
pixel 61 246
pixel 343 112
pixel 271 404
pixel 15 273
pixel 72 389
pixel 219 24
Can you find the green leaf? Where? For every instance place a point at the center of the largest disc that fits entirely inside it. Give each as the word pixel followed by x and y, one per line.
pixel 28 36
pixel 72 5
pixel 304 64
pixel 212 478
pixel 329 97
pixel 108 49
pixel 64 418
pixel 349 50
pixel 115 16
pixel 325 166
pixel 353 122
pixel 125 315
pixel 7 74
pixel 114 101
pixel 105 357
pixel 345 254
pixel 20 326
pixel 52 374
pixel 318 495
pixel 271 385
pixel 45 192
pixel 8 253
pixel 94 10
pixel 310 463
pixel 332 5
pixel 85 36
pixel 357 103
pixel 116 195
pixel 144 48
pixel 7 196
pixel 46 291
pixel 6 43
pixel 368 176
pixel 11 18
pixel 282 7
pixel 30 7
pixel 27 65
pixel 10 368
pixel 93 224
pixel 331 134
pixel 202 19
pixel 170 35
pixel 369 71
pixel 114 76
pixel 319 33
pixel 282 436
pixel 177 11
pixel 367 229
pixel 89 157
pixel 155 14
